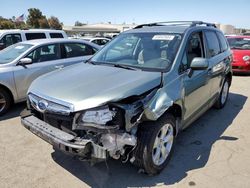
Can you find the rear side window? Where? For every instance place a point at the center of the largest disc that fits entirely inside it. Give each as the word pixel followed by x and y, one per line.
pixel 77 49
pixel 223 42
pixel 212 43
pixel 31 36
pixel 56 35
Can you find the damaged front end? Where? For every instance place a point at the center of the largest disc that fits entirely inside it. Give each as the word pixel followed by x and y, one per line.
pixel 93 134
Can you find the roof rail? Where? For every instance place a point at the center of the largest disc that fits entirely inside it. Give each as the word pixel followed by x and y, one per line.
pixel 175 23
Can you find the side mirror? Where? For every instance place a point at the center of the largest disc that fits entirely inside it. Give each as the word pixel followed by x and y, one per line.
pixel 199 63
pixel 25 61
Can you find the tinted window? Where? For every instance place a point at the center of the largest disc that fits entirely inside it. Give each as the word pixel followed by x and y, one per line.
pixel 31 36
pixel 223 42
pixel 45 53
pixel 194 49
pixel 100 41
pixel 77 49
pixel 56 35
pixel 10 39
pixel 213 43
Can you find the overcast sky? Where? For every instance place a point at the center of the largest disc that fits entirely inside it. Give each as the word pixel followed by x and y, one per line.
pixel 232 12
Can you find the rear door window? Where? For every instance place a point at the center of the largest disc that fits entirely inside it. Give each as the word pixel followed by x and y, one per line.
pixel 212 43
pixel 223 43
pixel 56 35
pixel 32 36
pixel 77 49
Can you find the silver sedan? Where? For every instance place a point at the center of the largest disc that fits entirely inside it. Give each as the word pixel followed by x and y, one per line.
pixel 21 63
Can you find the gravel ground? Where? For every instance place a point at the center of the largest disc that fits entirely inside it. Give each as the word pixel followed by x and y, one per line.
pixel 213 152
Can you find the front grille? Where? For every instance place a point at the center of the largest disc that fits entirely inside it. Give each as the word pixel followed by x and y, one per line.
pixel 61 122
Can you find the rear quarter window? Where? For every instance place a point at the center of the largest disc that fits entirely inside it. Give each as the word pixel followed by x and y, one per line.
pixel 56 35
pixel 213 45
pixel 32 36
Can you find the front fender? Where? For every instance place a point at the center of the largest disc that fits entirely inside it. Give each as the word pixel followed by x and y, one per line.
pixel 165 97
pixel 158 105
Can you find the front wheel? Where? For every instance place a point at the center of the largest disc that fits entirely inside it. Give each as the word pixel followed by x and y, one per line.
pixel 155 144
pixel 221 101
pixel 5 101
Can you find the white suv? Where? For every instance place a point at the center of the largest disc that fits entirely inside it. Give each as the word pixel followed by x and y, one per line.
pixel 9 37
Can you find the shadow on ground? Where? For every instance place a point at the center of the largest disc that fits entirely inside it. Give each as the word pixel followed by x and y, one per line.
pixel 14 111
pixel 192 152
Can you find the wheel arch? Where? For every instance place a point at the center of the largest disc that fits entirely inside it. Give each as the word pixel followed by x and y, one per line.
pixel 176 111
pixel 9 92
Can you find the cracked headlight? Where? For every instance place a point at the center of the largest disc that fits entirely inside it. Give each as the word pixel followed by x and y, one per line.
pixel 98 116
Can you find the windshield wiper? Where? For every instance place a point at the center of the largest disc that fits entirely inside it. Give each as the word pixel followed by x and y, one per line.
pixel 90 62
pixel 125 67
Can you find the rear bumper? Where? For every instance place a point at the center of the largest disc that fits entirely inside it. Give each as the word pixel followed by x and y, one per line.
pixel 63 141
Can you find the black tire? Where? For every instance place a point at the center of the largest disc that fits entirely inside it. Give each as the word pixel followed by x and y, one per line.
pixel 4 96
pixel 219 102
pixel 147 134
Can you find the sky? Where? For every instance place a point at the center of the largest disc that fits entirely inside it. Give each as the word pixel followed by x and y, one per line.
pixel 232 12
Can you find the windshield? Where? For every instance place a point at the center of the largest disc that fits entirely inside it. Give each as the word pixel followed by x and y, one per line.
pixel 12 52
pixel 239 43
pixel 146 51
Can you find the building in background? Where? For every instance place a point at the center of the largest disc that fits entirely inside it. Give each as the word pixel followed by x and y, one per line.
pixel 98 29
pixel 231 30
pixel 109 29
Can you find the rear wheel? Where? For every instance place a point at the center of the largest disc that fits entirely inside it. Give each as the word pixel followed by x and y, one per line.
pixel 5 101
pixel 221 101
pixel 155 144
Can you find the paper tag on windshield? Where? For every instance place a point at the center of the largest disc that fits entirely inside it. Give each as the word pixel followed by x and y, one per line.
pixel 19 47
pixel 163 37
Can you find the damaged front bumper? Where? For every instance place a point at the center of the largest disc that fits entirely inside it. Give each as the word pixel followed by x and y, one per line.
pixel 83 148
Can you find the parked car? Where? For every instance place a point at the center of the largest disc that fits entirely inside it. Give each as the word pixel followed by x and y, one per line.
pixel 9 37
pixel 133 97
pixel 101 41
pixel 240 45
pixel 21 63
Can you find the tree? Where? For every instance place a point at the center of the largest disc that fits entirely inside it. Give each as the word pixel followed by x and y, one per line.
pixel 35 18
pixel 6 23
pixel 54 23
pixel 43 23
pixel 77 23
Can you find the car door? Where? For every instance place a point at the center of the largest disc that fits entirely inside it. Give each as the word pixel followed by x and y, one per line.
pixel 217 59
pixel 73 53
pixel 195 82
pixel 45 58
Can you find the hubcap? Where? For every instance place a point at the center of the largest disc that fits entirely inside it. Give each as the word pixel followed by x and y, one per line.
pixel 163 144
pixel 224 93
pixel 2 102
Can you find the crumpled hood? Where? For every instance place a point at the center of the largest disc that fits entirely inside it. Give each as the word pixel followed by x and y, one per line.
pixel 86 86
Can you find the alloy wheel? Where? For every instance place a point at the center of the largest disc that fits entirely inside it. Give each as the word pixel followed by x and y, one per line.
pixel 163 144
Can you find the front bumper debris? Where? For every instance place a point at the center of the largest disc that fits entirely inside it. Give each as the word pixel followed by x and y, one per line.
pixel 65 142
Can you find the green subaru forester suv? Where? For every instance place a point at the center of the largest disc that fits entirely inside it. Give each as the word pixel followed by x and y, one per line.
pixel 130 100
